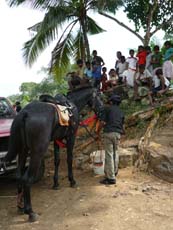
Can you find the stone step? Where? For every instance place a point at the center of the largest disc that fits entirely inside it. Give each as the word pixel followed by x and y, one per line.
pixel 127 157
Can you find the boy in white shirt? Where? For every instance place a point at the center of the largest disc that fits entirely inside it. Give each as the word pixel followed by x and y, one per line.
pixel 128 75
pixel 142 78
pixel 160 85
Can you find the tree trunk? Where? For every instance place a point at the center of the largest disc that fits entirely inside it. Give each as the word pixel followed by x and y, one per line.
pixel 86 42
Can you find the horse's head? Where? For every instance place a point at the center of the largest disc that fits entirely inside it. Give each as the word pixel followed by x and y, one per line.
pixel 96 104
pixel 87 96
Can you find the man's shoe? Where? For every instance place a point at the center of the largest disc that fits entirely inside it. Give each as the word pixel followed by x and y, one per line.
pixel 107 181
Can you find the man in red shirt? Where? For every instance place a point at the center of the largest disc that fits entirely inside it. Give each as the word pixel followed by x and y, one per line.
pixel 141 55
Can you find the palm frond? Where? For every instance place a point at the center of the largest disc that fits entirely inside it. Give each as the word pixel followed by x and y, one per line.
pixel 61 56
pixel 46 32
pixel 38 43
pixel 79 46
pixel 93 27
pixel 56 16
pixel 36 4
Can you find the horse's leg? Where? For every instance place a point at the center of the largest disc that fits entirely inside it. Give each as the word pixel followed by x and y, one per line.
pixel 56 164
pixel 28 180
pixel 20 173
pixel 70 145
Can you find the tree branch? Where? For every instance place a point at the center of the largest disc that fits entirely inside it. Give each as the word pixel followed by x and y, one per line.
pixel 170 20
pixel 149 19
pixel 123 25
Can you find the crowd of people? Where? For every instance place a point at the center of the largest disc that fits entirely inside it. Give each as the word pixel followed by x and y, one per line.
pixel 148 67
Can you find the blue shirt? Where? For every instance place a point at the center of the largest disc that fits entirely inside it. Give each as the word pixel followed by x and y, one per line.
pixel 96 73
pixel 88 72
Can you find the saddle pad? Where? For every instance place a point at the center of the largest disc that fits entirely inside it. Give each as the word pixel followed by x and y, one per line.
pixel 63 115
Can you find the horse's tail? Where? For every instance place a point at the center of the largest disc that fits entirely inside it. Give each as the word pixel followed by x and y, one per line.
pixel 17 137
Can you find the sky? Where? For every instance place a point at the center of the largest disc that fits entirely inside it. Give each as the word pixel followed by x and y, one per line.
pixel 14 23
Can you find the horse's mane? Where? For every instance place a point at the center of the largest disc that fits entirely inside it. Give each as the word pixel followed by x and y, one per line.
pixel 81 88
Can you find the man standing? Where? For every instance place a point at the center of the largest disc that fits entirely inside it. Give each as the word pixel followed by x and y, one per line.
pixel 97 59
pixel 113 128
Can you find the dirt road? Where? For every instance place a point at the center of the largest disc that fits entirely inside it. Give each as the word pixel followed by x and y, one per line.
pixel 137 202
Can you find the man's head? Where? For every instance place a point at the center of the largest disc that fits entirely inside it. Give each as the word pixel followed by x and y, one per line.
pixel 148 49
pixel 131 52
pixel 140 48
pixel 167 44
pixel 104 69
pixel 79 62
pixel 94 53
pixel 115 99
pixel 88 64
pixel 123 59
pixel 159 72
pixel 119 54
pixel 156 49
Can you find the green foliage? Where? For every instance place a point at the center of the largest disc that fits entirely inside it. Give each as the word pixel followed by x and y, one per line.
pixel 69 16
pixel 132 107
pixel 31 91
pixel 139 10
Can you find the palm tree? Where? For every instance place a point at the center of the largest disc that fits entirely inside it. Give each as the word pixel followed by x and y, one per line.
pixel 70 16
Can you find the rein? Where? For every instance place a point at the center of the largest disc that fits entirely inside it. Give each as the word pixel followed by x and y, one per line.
pixel 83 124
pixel 86 122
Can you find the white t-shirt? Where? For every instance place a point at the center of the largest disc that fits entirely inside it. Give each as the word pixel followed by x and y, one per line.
pixel 142 76
pixel 157 81
pixel 121 67
pixel 132 61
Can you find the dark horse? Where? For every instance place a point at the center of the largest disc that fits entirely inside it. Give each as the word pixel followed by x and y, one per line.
pixel 33 129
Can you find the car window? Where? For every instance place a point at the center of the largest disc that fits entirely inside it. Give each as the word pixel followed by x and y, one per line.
pixel 5 108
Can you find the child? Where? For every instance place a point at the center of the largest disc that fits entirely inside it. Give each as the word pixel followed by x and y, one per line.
pixel 156 58
pixel 88 72
pixel 96 73
pixel 141 55
pixel 148 65
pixel 80 68
pixel 104 79
pixel 122 66
pixel 119 54
pixel 113 78
pixel 142 78
pixel 160 86
pixel 128 75
pixel 167 65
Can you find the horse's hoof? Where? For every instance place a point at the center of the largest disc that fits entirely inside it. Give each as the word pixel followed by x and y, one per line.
pixel 73 185
pixel 33 217
pixel 55 187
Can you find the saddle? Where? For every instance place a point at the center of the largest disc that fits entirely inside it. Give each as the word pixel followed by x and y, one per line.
pixel 62 106
pixel 64 115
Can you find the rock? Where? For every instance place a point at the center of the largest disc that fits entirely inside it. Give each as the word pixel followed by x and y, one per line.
pixel 160 161
pixel 130 93
pixel 127 157
pixel 143 91
pixel 145 101
pixel 124 102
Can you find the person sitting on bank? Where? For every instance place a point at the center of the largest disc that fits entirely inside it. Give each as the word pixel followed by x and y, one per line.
pixel 160 85
pixel 112 128
pixel 142 78
pixel 73 80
